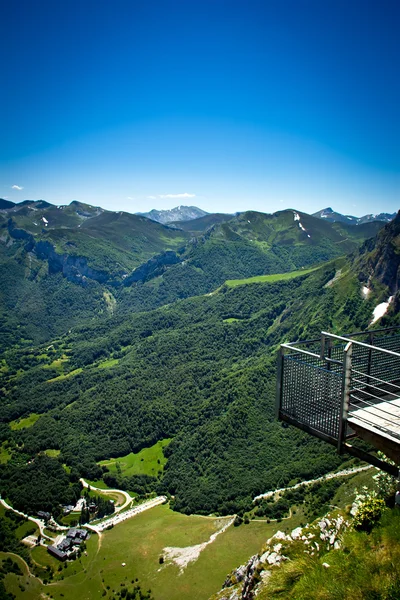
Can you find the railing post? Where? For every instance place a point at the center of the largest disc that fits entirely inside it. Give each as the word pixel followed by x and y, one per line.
pixel 279 381
pixel 329 345
pixel 326 349
pixel 369 364
pixel 322 352
pixel 345 400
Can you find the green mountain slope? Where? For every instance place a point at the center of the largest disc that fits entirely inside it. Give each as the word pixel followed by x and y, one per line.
pixel 248 245
pixel 111 243
pixel 201 371
pixel 99 261
pixel 201 224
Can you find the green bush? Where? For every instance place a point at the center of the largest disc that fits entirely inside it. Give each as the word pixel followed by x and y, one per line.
pixel 368 513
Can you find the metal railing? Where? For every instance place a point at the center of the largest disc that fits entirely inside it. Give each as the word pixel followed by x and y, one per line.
pixel 324 384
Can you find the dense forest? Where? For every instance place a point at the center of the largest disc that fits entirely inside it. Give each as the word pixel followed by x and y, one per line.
pixel 182 355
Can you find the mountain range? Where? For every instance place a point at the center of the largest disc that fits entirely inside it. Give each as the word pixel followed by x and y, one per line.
pixel 121 335
pixel 179 213
pixel 334 217
pixel 187 213
pixel 124 332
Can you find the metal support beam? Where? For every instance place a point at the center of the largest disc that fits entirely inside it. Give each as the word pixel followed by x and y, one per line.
pixel 344 408
pixel 371 459
pixel 279 381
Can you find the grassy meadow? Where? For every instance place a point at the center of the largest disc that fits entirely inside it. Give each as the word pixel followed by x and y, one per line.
pixel 269 278
pixel 146 462
pixel 23 423
pixel 139 543
pixel 5 454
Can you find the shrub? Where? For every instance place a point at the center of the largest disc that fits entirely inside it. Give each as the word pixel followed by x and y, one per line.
pixel 368 513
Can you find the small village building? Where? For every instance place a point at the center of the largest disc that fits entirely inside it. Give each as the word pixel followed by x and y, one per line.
pixel 57 553
pixel 80 534
pixel 43 515
pixel 68 509
pixel 65 545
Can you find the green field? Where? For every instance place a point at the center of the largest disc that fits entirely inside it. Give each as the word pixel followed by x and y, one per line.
pixel 52 452
pixel 139 542
pixel 5 454
pixel 22 586
pixel 26 528
pixel 99 483
pixel 43 558
pixel 23 423
pixel 268 278
pixel 57 363
pixel 66 376
pixel 146 462
pixel 117 497
pixel 111 362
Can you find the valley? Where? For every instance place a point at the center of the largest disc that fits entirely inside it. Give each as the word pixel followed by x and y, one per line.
pixel 197 553
pixel 141 357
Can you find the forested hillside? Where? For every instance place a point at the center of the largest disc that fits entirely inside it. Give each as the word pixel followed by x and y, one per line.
pixel 63 265
pixel 98 372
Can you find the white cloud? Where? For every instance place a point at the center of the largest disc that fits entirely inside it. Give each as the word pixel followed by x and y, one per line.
pixel 129 198
pixel 17 187
pixel 152 197
pixel 185 195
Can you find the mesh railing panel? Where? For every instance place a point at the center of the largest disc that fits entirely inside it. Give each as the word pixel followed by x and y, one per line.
pixel 383 365
pixel 311 394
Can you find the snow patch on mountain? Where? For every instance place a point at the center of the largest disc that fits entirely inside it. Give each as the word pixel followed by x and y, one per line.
pixel 296 217
pixel 380 310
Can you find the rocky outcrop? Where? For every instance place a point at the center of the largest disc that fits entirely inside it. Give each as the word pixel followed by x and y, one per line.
pixel 245 576
pixel 245 582
pixel 21 234
pixel 179 213
pixel 152 268
pixel 380 257
pixel 74 268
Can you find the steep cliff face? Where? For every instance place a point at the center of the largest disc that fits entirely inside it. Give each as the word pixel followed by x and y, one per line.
pixel 21 234
pixel 380 257
pixel 153 267
pixel 74 268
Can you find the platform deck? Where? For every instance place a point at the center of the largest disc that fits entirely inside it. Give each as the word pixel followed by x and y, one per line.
pixel 382 419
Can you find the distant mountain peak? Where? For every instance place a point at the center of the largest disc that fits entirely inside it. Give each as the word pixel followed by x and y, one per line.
pixel 334 217
pixel 5 204
pixel 179 213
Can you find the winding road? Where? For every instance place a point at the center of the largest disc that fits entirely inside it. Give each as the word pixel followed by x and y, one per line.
pixel 127 497
pixel 39 522
pixel 343 473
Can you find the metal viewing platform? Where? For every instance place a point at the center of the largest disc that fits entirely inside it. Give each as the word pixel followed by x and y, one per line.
pixel 340 387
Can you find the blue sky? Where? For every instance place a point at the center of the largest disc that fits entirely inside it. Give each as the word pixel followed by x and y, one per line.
pixel 227 105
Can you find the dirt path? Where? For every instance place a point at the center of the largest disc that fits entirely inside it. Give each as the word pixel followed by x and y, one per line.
pixel 183 556
pixel 343 473
pixel 39 522
pixel 27 569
